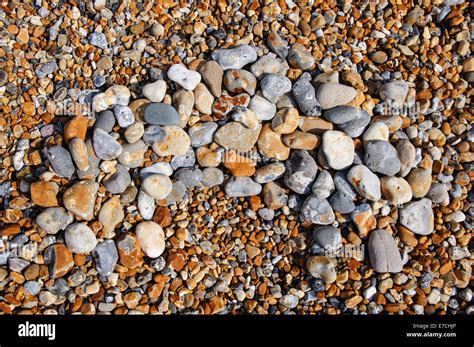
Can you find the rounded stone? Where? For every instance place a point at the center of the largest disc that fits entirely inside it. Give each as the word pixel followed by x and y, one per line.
pixel 80 238
pixel 161 114
pixel 338 149
pixel 151 238
pixel 157 186
pixel 322 267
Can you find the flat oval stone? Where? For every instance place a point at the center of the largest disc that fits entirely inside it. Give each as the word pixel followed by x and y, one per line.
pixel 161 114
pixel 212 176
pixel 382 157
pixel 341 203
pixel 61 161
pixel 263 109
pixel 212 74
pixel 323 186
pixel 331 95
pixel 80 238
pixel 124 115
pixel 396 190
pixel 133 154
pixel 383 252
pixel 300 58
pixel 190 177
pixel 350 120
pixel 155 91
pixel 240 81
pixel 269 63
pixel 269 173
pixel 162 168
pixel 242 186
pixel 146 205
pixel 418 217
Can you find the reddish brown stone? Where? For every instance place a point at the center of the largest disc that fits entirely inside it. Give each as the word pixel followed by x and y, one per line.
pixel 162 216
pixel 130 254
pixel 44 193
pixel 60 260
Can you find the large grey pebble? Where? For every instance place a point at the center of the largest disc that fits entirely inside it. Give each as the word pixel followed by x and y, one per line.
pixel 349 119
pixel 274 85
pixel 332 95
pixel 185 160
pixel 154 134
pixel 190 177
pixel 323 186
pixel 105 121
pixel 305 95
pixel 161 114
pixel 382 157
pixel 105 146
pixel 106 256
pixel 328 238
pixel 54 219
pixel 202 133
pixel 117 182
pixel 61 161
pixel 341 203
pixel 264 109
pixel 80 238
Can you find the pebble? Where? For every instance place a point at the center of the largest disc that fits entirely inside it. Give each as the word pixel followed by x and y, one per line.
pixel 246 117
pixel 80 238
pixel 235 58
pixel 350 120
pixel 407 156
pixel 376 131
pixel 300 58
pixel 155 91
pixel 146 205
pixel 133 154
pixel 105 146
pixel 225 104
pixel 274 196
pixel 188 79
pixel 301 140
pixel 79 199
pixel 270 144
pixel 331 95
pixel 438 193
pixel 394 92
pixel 418 217
pixel 365 182
pixel 187 159
pixel 383 252
pixel 322 267
pixel 242 186
pixel 130 254
pixel 341 203
pixel 44 193
pixel 268 64
pixel 53 219
pixel 151 238
pixel 162 168
pixel 124 116
pixel 176 142
pixel 98 40
pixel 60 260
pixel 61 161
pixel 212 177
pixel 338 149
pixel 161 114
pixel 203 99
pixel 301 170
pixel 420 182
pixel 264 109
pixel 134 132
pixel 382 157
pixel 79 153
pixel 110 215
pixel 117 182
pixel 240 81
pixel 105 256
pixel 201 134
pixel 305 95
pixel 105 121
pixel 212 74
pixel 396 190
pixel 157 186
pixel 273 86
pixel 269 173
pixel 235 136
pixel 190 177
pixel 323 186
pixel 277 44
pixel 183 101
pixel 154 134
pixel 317 211
pixel 45 69
pixel 286 121
pixel 328 238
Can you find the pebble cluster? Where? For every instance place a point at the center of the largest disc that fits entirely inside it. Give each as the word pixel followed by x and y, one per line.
pixel 242 157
